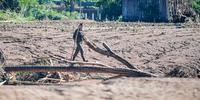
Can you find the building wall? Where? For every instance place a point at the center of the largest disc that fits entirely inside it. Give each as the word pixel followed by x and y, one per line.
pixel 145 10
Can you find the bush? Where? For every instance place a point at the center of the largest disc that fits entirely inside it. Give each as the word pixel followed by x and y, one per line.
pixel 38 14
pixel 72 15
pixel 196 6
pixel 53 15
pixel 3 15
pixel 43 13
pixel 120 18
pixel 33 10
pixel 9 15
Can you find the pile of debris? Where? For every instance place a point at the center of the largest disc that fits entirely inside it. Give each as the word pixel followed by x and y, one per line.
pixel 181 11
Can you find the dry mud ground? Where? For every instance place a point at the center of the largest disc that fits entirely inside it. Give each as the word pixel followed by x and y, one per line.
pixel 170 50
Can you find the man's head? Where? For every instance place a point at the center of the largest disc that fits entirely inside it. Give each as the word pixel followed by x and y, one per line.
pixel 80 26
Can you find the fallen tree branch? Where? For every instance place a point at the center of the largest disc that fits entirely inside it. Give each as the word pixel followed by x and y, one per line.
pixel 60 58
pixel 88 63
pixel 108 48
pixel 6 80
pixel 107 52
pixel 86 69
pixel 2 83
pixel 15 82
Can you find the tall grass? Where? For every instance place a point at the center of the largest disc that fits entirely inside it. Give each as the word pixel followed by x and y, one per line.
pixel 13 16
pixel 36 14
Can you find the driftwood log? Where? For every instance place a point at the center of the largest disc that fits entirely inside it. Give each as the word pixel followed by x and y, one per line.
pixel 107 52
pixel 86 69
pixel 16 82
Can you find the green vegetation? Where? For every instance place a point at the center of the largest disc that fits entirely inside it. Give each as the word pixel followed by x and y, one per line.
pixel 12 16
pixel 9 4
pixel 20 10
pixel 196 5
pixel 27 10
pixel 44 9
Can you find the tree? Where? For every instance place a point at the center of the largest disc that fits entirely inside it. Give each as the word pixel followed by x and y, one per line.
pixel 111 9
pixel 26 5
pixel 9 4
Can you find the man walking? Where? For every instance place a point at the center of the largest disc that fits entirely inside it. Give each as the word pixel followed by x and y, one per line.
pixel 78 38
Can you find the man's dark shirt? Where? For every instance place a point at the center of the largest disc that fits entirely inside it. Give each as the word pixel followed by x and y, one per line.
pixel 79 36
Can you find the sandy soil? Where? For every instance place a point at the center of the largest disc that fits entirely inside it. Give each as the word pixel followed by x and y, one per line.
pixel 117 89
pixel 165 49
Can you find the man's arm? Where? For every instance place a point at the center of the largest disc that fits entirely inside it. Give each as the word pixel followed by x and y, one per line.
pixel 75 34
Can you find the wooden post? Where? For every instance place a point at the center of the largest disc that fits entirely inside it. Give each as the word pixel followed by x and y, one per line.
pixel 92 16
pixel 86 16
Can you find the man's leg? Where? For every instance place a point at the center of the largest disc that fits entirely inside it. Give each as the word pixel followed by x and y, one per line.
pixel 76 53
pixel 82 52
